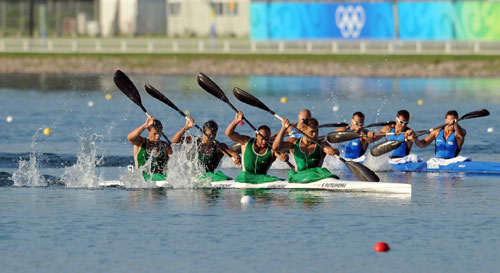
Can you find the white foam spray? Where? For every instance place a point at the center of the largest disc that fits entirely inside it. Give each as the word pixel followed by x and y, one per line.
pixel 27 174
pixel 184 169
pixel 84 173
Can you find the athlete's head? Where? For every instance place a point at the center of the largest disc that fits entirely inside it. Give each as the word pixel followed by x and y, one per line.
pixel 304 116
pixel 402 119
pixel 357 121
pixel 210 128
pixel 311 129
pixel 266 133
pixel 155 130
pixel 450 117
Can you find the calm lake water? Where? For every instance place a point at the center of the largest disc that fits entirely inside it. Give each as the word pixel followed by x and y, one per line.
pixel 449 223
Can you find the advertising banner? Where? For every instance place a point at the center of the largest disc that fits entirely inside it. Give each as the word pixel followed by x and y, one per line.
pixel 294 21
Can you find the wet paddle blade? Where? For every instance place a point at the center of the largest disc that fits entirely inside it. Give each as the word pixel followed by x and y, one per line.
pixel 385 147
pixel 384 123
pixel 249 99
pixel 159 96
pixel 211 87
pixel 339 124
pixel 236 147
pixel 338 137
pixel 476 114
pixel 128 88
pixel 362 172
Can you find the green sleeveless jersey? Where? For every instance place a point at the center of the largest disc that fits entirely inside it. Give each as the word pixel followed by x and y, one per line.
pixel 158 162
pixel 304 161
pixel 255 163
pixel 210 161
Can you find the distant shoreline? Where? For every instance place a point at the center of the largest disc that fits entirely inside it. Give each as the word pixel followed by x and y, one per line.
pixel 243 64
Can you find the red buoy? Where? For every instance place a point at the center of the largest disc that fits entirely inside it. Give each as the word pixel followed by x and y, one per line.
pixel 241 123
pixel 381 247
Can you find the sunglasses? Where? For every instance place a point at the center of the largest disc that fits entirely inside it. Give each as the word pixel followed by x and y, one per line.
pixel 401 122
pixel 357 123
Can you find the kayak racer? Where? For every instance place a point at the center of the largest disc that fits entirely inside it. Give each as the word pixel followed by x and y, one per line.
pixel 209 154
pixel 308 155
pixel 150 149
pixel 257 156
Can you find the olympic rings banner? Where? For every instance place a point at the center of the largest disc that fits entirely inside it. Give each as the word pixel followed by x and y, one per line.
pixel 441 20
pixel 293 21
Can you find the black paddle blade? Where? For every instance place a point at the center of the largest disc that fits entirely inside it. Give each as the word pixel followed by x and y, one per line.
pixel 159 96
pixel 385 147
pixel 362 172
pixel 338 137
pixel 211 87
pixel 476 114
pixel 339 124
pixel 249 99
pixel 384 123
pixel 128 88
pixel 236 147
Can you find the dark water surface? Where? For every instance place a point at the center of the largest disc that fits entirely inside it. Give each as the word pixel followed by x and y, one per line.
pixel 448 224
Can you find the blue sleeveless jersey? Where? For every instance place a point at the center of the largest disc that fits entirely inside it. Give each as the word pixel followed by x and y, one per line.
pixel 402 151
pixel 446 148
pixel 295 134
pixel 354 148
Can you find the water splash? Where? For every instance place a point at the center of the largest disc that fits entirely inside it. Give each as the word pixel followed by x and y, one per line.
pixel 135 180
pixel 379 163
pixel 183 167
pixel 84 173
pixel 27 174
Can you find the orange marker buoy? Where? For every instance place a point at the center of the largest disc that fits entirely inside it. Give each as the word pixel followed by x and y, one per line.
pixel 381 247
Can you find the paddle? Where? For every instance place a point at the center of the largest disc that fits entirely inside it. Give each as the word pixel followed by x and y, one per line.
pixel 359 170
pixel 211 87
pixel 338 124
pixel 236 147
pixel 128 88
pixel 338 137
pixel 391 145
pixel 159 96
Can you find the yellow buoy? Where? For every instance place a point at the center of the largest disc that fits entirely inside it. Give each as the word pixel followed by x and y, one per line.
pixel 187 112
pixel 108 96
pixel 283 100
pixel 420 102
pixel 47 131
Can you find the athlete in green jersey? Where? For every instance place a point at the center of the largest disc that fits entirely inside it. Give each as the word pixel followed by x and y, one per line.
pixel 308 155
pixel 257 156
pixel 209 154
pixel 153 147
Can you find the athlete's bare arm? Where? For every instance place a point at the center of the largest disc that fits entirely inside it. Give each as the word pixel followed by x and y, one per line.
pixel 134 137
pixel 282 146
pixel 234 136
pixel 178 136
pixel 427 140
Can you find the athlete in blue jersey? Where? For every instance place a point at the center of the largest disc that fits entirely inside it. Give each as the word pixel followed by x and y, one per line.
pixel 449 140
pixel 400 131
pixel 357 147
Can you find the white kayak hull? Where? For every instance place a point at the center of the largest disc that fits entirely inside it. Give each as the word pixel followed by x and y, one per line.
pixel 324 184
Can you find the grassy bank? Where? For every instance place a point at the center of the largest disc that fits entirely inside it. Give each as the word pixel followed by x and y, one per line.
pixel 258 64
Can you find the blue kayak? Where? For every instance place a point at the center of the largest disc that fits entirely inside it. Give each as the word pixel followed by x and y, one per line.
pixel 466 167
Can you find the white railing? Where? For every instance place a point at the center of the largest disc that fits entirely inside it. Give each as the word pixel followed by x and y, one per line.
pixel 242 46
